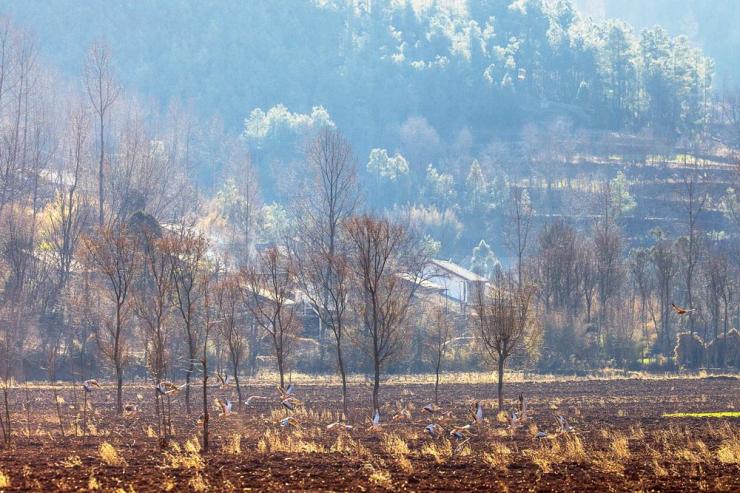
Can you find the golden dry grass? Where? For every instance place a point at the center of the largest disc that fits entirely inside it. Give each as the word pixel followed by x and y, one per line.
pixel 4 480
pixel 109 455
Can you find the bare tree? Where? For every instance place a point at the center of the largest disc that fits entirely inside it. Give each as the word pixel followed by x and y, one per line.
pixel 321 262
pixel 520 220
pixel 388 264
pixel 268 282
pixel 330 297
pixel 229 306
pixel 437 336
pixel 152 304
pixel 239 201
pixel 694 200
pixel 663 258
pixel 113 253
pixel 504 313
pixel 103 90
pixel 188 258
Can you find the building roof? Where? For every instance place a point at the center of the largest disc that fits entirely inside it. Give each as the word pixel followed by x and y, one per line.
pixel 424 283
pixel 458 270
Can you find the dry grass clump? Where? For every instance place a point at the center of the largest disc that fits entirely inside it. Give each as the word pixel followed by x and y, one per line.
pixel 273 441
pixel 499 457
pixel 109 455
pixel 71 462
pixel 396 447
pixel 92 483
pixel 440 451
pixel 729 451
pixel 378 477
pixel 568 449
pixel 187 457
pixel 4 480
pixel 198 483
pixel 234 445
pixel 613 460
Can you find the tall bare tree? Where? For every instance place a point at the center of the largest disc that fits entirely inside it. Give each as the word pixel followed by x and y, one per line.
pixel 188 265
pixel 103 90
pixel 520 221
pixel 321 262
pixel 504 312
pixel 268 283
pixel 437 338
pixel 232 331
pixel 388 264
pixel 113 253
pixel 691 249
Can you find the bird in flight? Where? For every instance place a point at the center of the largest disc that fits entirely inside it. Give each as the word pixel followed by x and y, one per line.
pixel 460 432
pixel 253 398
pixel 290 403
pixel 166 388
pixel 681 311
pixel 403 413
pixel 89 385
pixel 290 421
pixel 286 393
pixel 225 406
pixel 338 425
pixel 434 430
pixel 431 408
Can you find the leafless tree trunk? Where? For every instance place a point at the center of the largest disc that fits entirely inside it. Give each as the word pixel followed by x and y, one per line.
pixel 267 285
pixel 520 220
pixel 113 253
pixel 103 90
pixel 388 265
pixel 504 313
pixel 188 256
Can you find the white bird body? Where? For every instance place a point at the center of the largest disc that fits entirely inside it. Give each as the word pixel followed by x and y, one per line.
pixel 478 412
pixel 89 385
pixel 564 426
pixel 375 426
pixel 338 425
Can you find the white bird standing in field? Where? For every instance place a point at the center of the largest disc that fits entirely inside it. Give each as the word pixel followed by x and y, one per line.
pixel 375 426
pixel 564 426
pixel 477 412
pixel 225 406
pixel 89 385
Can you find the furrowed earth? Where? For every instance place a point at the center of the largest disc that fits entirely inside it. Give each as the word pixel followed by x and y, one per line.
pixel 621 440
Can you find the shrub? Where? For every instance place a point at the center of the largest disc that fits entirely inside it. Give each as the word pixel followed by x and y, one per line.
pixel 689 350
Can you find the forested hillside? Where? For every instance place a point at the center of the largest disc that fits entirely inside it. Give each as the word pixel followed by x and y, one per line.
pixel 595 163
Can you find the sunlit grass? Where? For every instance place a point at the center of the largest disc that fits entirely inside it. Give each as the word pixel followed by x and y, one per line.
pixel 717 414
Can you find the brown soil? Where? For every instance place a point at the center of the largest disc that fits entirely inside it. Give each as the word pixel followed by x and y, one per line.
pixel 662 454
